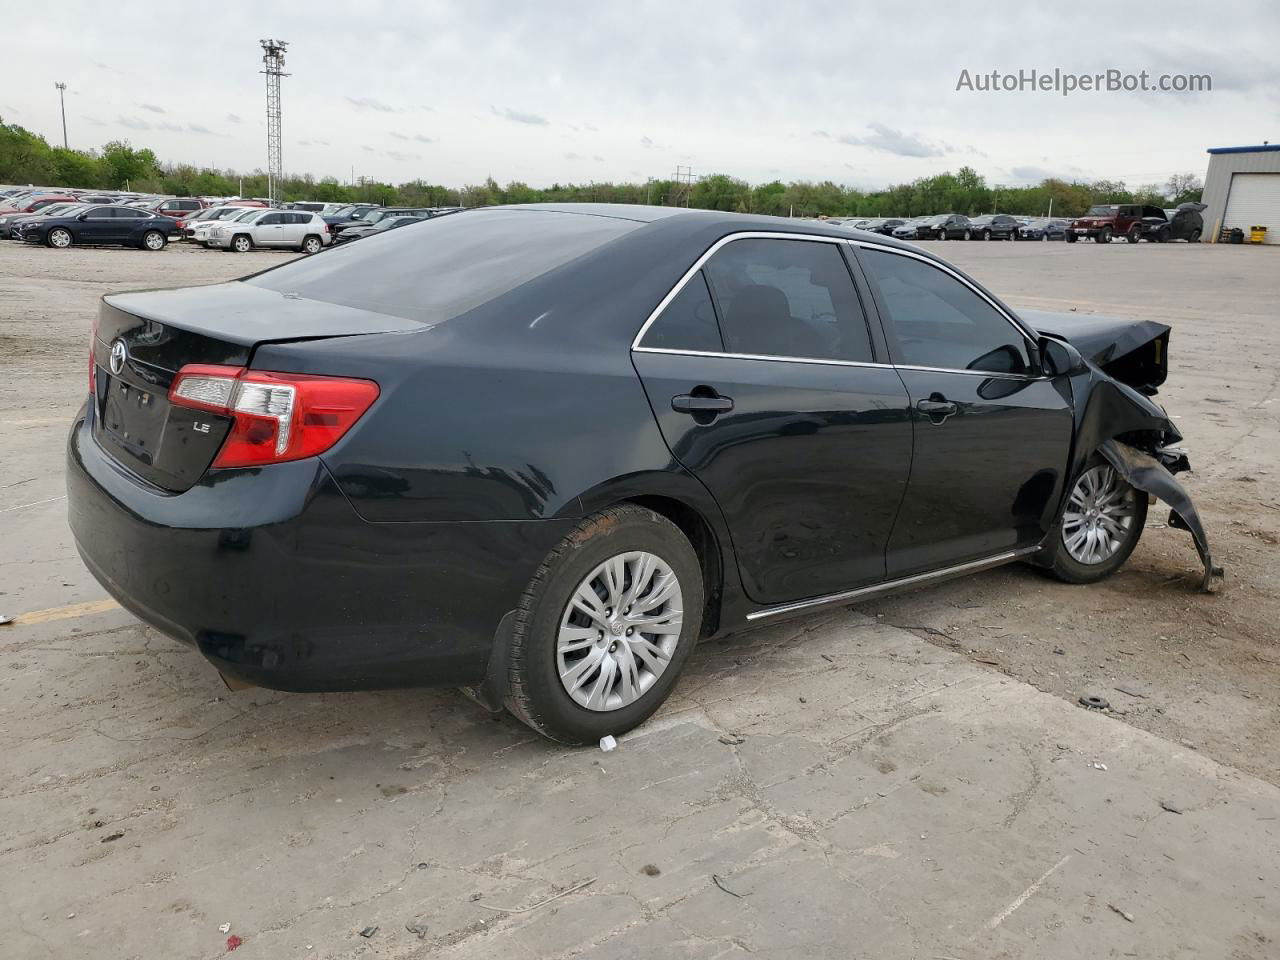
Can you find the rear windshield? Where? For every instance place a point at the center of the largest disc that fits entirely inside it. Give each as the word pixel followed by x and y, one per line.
pixel 447 265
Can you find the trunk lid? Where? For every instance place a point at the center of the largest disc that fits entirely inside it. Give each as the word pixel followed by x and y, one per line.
pixel 143 339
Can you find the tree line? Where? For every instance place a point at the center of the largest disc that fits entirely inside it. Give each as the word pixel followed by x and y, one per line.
pixel 26 157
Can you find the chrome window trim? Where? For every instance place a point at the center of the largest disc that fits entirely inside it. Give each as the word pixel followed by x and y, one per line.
pixel 955 275
pixel 865 244
pixel 875 589
pixel 708 254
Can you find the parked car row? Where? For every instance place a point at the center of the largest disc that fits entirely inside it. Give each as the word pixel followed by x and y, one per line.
pixel 1103 222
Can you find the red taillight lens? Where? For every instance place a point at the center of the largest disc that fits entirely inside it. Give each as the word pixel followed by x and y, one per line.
pixel 278 416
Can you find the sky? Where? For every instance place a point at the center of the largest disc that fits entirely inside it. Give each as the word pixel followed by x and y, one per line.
pixel 862 93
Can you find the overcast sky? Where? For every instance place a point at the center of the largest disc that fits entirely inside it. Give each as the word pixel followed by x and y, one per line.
pixel 858 92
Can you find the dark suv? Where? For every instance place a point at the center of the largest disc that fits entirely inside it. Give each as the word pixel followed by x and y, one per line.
pixel 1107 220
pixel 994 226
pixel 1184 223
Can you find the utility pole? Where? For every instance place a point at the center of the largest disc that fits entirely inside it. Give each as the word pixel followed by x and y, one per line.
pixel 62 87
pixel 684 181
pixel 273 67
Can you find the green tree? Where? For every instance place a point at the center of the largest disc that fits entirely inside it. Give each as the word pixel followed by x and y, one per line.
pixel 122 164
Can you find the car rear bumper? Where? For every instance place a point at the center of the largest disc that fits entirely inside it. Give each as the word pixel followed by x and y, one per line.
pixel 277 581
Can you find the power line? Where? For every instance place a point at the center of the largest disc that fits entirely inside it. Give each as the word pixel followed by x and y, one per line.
pixel 273 66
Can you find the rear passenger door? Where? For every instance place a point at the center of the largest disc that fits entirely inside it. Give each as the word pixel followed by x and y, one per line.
pixel 768 386
pixel 992 436
pixel 296 226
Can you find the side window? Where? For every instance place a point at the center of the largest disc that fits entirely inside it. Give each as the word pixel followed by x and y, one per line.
pixel 937 321
pixel 788 298
pixel 688 322
pixel 271 219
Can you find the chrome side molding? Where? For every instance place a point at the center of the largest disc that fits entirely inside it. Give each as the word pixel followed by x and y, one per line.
pixel 890 586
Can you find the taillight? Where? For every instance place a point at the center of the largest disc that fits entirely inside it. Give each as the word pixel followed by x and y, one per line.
pixel 277 416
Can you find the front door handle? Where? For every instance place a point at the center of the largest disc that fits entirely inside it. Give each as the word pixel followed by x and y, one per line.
pixel 687 403
pixel 937 408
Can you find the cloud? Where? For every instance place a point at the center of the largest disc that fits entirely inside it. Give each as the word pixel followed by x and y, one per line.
pixel 888 140
pixel 403 157
pixel 519 116
pixel 232 118
pixel 369 103
pixel 574 156
pixel 200 128
pixel 302 143
pixel 647 143
pixel 823 134
pixel 153 108
pixel 590 128
pixel 399 136
pixel 423 138
pixel 367 149
pixel 598 159
pixel 171 127
pixel 133 123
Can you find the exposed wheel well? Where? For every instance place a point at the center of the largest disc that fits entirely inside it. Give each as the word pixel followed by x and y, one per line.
pixel 694 526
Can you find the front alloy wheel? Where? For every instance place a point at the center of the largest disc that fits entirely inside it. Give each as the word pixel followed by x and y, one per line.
pixel 1100 526
pixel 59 238
pixel 241 244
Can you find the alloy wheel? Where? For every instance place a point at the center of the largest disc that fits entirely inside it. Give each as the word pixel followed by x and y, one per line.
pixel 619 631
pixel 154 241
pixel 1099 516
pixel 59 238
pixel 241 244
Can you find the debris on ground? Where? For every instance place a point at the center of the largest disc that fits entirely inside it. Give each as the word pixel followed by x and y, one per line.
pixel 368 932
pixel 732 739
pixel 1059 651
pixel 233 942
pixel 1130 692
pixel 1170 808
pixel 224 928
pixel 1124 913
pixel 650 870
pixel 111 837
pixel 419 930
pixel 540 903
pixel 608 743
pixel 476 896
pixel 1098 766
pixel 4 619
pixel 1094 703
pixel 720 883
pixel 827 657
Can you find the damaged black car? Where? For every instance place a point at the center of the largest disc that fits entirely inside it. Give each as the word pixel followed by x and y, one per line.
pixel 539 452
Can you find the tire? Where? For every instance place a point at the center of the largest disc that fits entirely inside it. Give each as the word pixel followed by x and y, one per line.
pixel 1134 234
pixel 1195 237
pixel 1104 236
pixel 942 233
pixel 311 245
pixel 59 238
pixel 241 243
pixel 153 240
pixel 986 234
pixel 1070 237
pixel 601 706
pixel 1163 236
pixel 1044 237
pixel 968 234
pixel 1076 567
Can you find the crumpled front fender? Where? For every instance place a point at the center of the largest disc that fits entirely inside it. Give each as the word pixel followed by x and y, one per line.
pixel 1148 474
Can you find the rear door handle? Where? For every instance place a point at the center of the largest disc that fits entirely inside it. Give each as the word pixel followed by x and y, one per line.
pixel 686 403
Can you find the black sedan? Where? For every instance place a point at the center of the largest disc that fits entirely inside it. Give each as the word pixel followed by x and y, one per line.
pixel 943 226
pixel 383 225
pixel 541 451
pixel 119 225
pixel 11 224
pixel 993 226
pixel 1044 229
pixel 882 225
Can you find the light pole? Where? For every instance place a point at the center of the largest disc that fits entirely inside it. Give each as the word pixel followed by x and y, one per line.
pixel 63 100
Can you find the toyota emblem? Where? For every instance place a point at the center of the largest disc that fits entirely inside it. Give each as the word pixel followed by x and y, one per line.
pixel 119 354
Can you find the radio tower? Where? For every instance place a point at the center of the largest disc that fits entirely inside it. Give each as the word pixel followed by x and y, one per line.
pixel 273 67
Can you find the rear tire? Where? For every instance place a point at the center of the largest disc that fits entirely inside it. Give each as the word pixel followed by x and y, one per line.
pixel 153 240
pixel 311 245
pixel 1134 234
pixel 543 669
pixel 1195 237
pixel 1119 513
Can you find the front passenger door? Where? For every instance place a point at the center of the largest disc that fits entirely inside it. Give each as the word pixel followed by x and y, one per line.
pixel 270 230
pixel 992 436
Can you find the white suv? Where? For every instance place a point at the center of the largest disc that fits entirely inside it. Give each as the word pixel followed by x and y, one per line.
pixel 295 229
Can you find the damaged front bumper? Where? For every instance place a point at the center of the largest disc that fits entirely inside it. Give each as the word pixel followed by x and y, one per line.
pixel 1155 475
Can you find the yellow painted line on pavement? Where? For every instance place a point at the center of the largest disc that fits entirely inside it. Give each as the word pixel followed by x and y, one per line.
pixel 69 612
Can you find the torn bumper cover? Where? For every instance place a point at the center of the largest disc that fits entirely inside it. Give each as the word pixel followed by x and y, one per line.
pixel 1145 472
